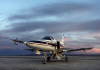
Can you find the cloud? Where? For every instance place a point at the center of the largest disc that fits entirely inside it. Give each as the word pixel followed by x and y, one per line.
pixel 2 36
pixel 3 20
pixel 54 9
pixel 51 27
pixel 69 17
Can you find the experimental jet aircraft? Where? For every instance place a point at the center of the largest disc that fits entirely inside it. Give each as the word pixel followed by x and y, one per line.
pixel 48 44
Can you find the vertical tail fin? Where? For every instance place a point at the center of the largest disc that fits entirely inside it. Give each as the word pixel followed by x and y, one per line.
pixel 63 40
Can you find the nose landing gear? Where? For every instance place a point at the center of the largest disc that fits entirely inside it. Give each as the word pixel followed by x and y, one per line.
pixel 44 60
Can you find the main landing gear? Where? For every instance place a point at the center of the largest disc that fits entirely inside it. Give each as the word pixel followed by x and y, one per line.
pixel 66 58
pixel 45 59
pixel 48 58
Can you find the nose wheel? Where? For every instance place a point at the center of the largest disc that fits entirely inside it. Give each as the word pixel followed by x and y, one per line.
pixel 44 60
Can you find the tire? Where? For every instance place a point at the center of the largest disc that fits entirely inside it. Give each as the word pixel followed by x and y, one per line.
pixel 66 58
pixel 44 61
pixel 48 58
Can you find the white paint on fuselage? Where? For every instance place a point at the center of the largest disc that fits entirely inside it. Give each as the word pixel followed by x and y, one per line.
pixel 39 46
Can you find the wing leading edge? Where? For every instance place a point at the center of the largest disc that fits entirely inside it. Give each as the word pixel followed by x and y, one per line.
pixel 70 50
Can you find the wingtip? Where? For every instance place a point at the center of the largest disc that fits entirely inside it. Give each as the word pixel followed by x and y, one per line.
pixel 91 47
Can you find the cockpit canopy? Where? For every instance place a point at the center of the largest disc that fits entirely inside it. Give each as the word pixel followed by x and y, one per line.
pixel 48 38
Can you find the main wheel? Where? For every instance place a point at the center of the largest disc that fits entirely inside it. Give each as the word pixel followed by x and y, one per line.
pixel 48 58
pixel 66 58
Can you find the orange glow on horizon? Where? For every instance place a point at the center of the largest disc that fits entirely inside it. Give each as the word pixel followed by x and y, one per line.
pixel 93 51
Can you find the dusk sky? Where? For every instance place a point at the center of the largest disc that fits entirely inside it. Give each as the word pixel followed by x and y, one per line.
pixel 79 20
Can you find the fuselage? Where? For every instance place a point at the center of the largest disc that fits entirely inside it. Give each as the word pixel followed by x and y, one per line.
pixel 45 44
pixel 41 45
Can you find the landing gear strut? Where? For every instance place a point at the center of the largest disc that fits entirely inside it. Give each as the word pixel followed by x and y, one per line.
pixel 65 57
pixel 44 58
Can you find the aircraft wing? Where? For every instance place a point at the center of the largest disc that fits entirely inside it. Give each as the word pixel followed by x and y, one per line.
pixel 10 39
pixel 16 41
pixel 70 50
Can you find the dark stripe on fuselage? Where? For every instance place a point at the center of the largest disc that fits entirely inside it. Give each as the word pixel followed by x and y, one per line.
pixel 44 43
pixel 38 42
